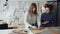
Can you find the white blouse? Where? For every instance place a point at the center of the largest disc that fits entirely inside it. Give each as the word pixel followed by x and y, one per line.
pixel 28 20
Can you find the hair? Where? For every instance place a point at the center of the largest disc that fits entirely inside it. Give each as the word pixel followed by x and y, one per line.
pixel 50 6
pixel 34 4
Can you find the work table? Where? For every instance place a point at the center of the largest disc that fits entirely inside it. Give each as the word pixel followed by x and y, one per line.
pixel 47 30
pixel 28 31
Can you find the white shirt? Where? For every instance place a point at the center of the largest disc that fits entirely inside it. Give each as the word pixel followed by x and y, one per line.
pixel 27 23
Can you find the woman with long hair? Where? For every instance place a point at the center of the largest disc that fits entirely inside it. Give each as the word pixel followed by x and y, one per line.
pixel 31 16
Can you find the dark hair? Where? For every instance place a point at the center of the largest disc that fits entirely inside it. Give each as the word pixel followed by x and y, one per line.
pixel 50 6
pixel 34 4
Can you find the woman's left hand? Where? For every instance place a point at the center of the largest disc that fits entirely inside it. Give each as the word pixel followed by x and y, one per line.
pixel 45 22
pixel 34 27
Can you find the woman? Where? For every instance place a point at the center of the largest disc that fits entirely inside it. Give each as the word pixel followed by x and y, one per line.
pixel 48 18
pixel 31 17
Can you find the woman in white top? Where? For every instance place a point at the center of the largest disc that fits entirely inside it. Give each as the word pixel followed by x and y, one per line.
pixel 31 17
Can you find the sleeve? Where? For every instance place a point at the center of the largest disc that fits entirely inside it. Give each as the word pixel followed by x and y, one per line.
pixel 38 20
pixel 42 18
pixel 25 21
pixel 54 17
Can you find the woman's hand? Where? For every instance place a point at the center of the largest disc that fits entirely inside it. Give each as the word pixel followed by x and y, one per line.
pixel 34 27
pixel 45 22
pixel 37 28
